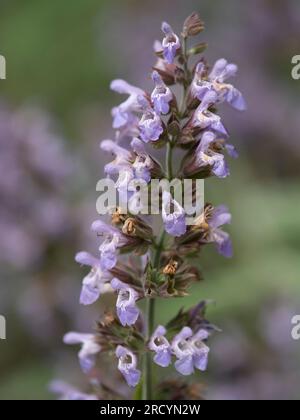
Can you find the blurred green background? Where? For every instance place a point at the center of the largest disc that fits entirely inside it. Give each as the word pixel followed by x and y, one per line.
pixel 60 58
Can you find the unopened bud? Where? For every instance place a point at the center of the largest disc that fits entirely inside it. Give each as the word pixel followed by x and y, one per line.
pixel 171 268
pixel 193 25
pixel 197 49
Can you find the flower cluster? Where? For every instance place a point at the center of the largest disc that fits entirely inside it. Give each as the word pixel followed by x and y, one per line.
pixel 132 262
pixel 188 348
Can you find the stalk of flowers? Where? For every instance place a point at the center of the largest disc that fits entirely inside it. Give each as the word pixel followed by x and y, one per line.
pixel 131 261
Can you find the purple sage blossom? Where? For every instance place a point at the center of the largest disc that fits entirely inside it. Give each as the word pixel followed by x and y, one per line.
pixel 190 351
pixel 127 310
pixel 150 124
pixel 89 348
pixel 211 221
pixel 226 92
pixel 207 157
pixel 161 346
pixel 161 95
pixel 170 43
pixel 113 240
pixel 96 282
pixel 143 163
pixel 134 262
pixel 123 113
pixel 128 366
pixel 205 119
pixel 123 157
pixel 69 393
pixel 173 216
pixel 220 217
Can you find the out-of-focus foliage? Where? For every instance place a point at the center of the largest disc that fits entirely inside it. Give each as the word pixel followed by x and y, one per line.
pixel 61 56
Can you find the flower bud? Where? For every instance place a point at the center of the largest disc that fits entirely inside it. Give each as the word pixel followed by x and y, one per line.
pixel 197 49
pixel 171 268
pixel 193 25
pixel 135 226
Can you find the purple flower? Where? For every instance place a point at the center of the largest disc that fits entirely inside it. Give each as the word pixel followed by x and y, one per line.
pixel 211 221
pixel 150 124
pixel 207 157
pixel 128 165
pixel 128 366
pixel 221 71
pixel 161 95
pixel 113 240
pixel 190 351
pixel 205 119
pixel 69 393
pixel 143 163
pixel 170 43
pixel 200 86
pixel 220 216
pixel 123 113
pixel 121 166
pixel 231 150
pixel 173 216
pixel 89 348
pixel 123 158
pixel 127 310
pixel 161 346
pixel 126 125
pixel 96 282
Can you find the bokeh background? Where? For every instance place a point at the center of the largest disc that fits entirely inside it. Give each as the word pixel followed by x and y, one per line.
pixel 54 110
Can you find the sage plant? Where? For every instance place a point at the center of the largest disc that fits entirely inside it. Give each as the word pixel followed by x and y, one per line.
pixel 179 115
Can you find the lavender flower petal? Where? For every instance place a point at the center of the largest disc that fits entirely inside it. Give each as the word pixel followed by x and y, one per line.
pixel 128 366
pixel 170 43
pixel 175 224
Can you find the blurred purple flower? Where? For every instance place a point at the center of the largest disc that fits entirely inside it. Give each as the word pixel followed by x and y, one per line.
pixel 69 393
pixel 96 282
pixel 123 113
pixel 219 217
pixel 89 349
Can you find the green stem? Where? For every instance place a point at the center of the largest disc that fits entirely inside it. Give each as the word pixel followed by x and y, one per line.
pixel 150 318
pixel 169 161
pixel 186 76
pixel 185 57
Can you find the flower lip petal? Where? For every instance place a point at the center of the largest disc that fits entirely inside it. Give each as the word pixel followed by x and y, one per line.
pixel 101 227
pixel 76 338
pixel 175 223
pixel 185 365
pixel 138 146
pixel 123 87
pixel 89 294
pixel 220 216
pixel 85 258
